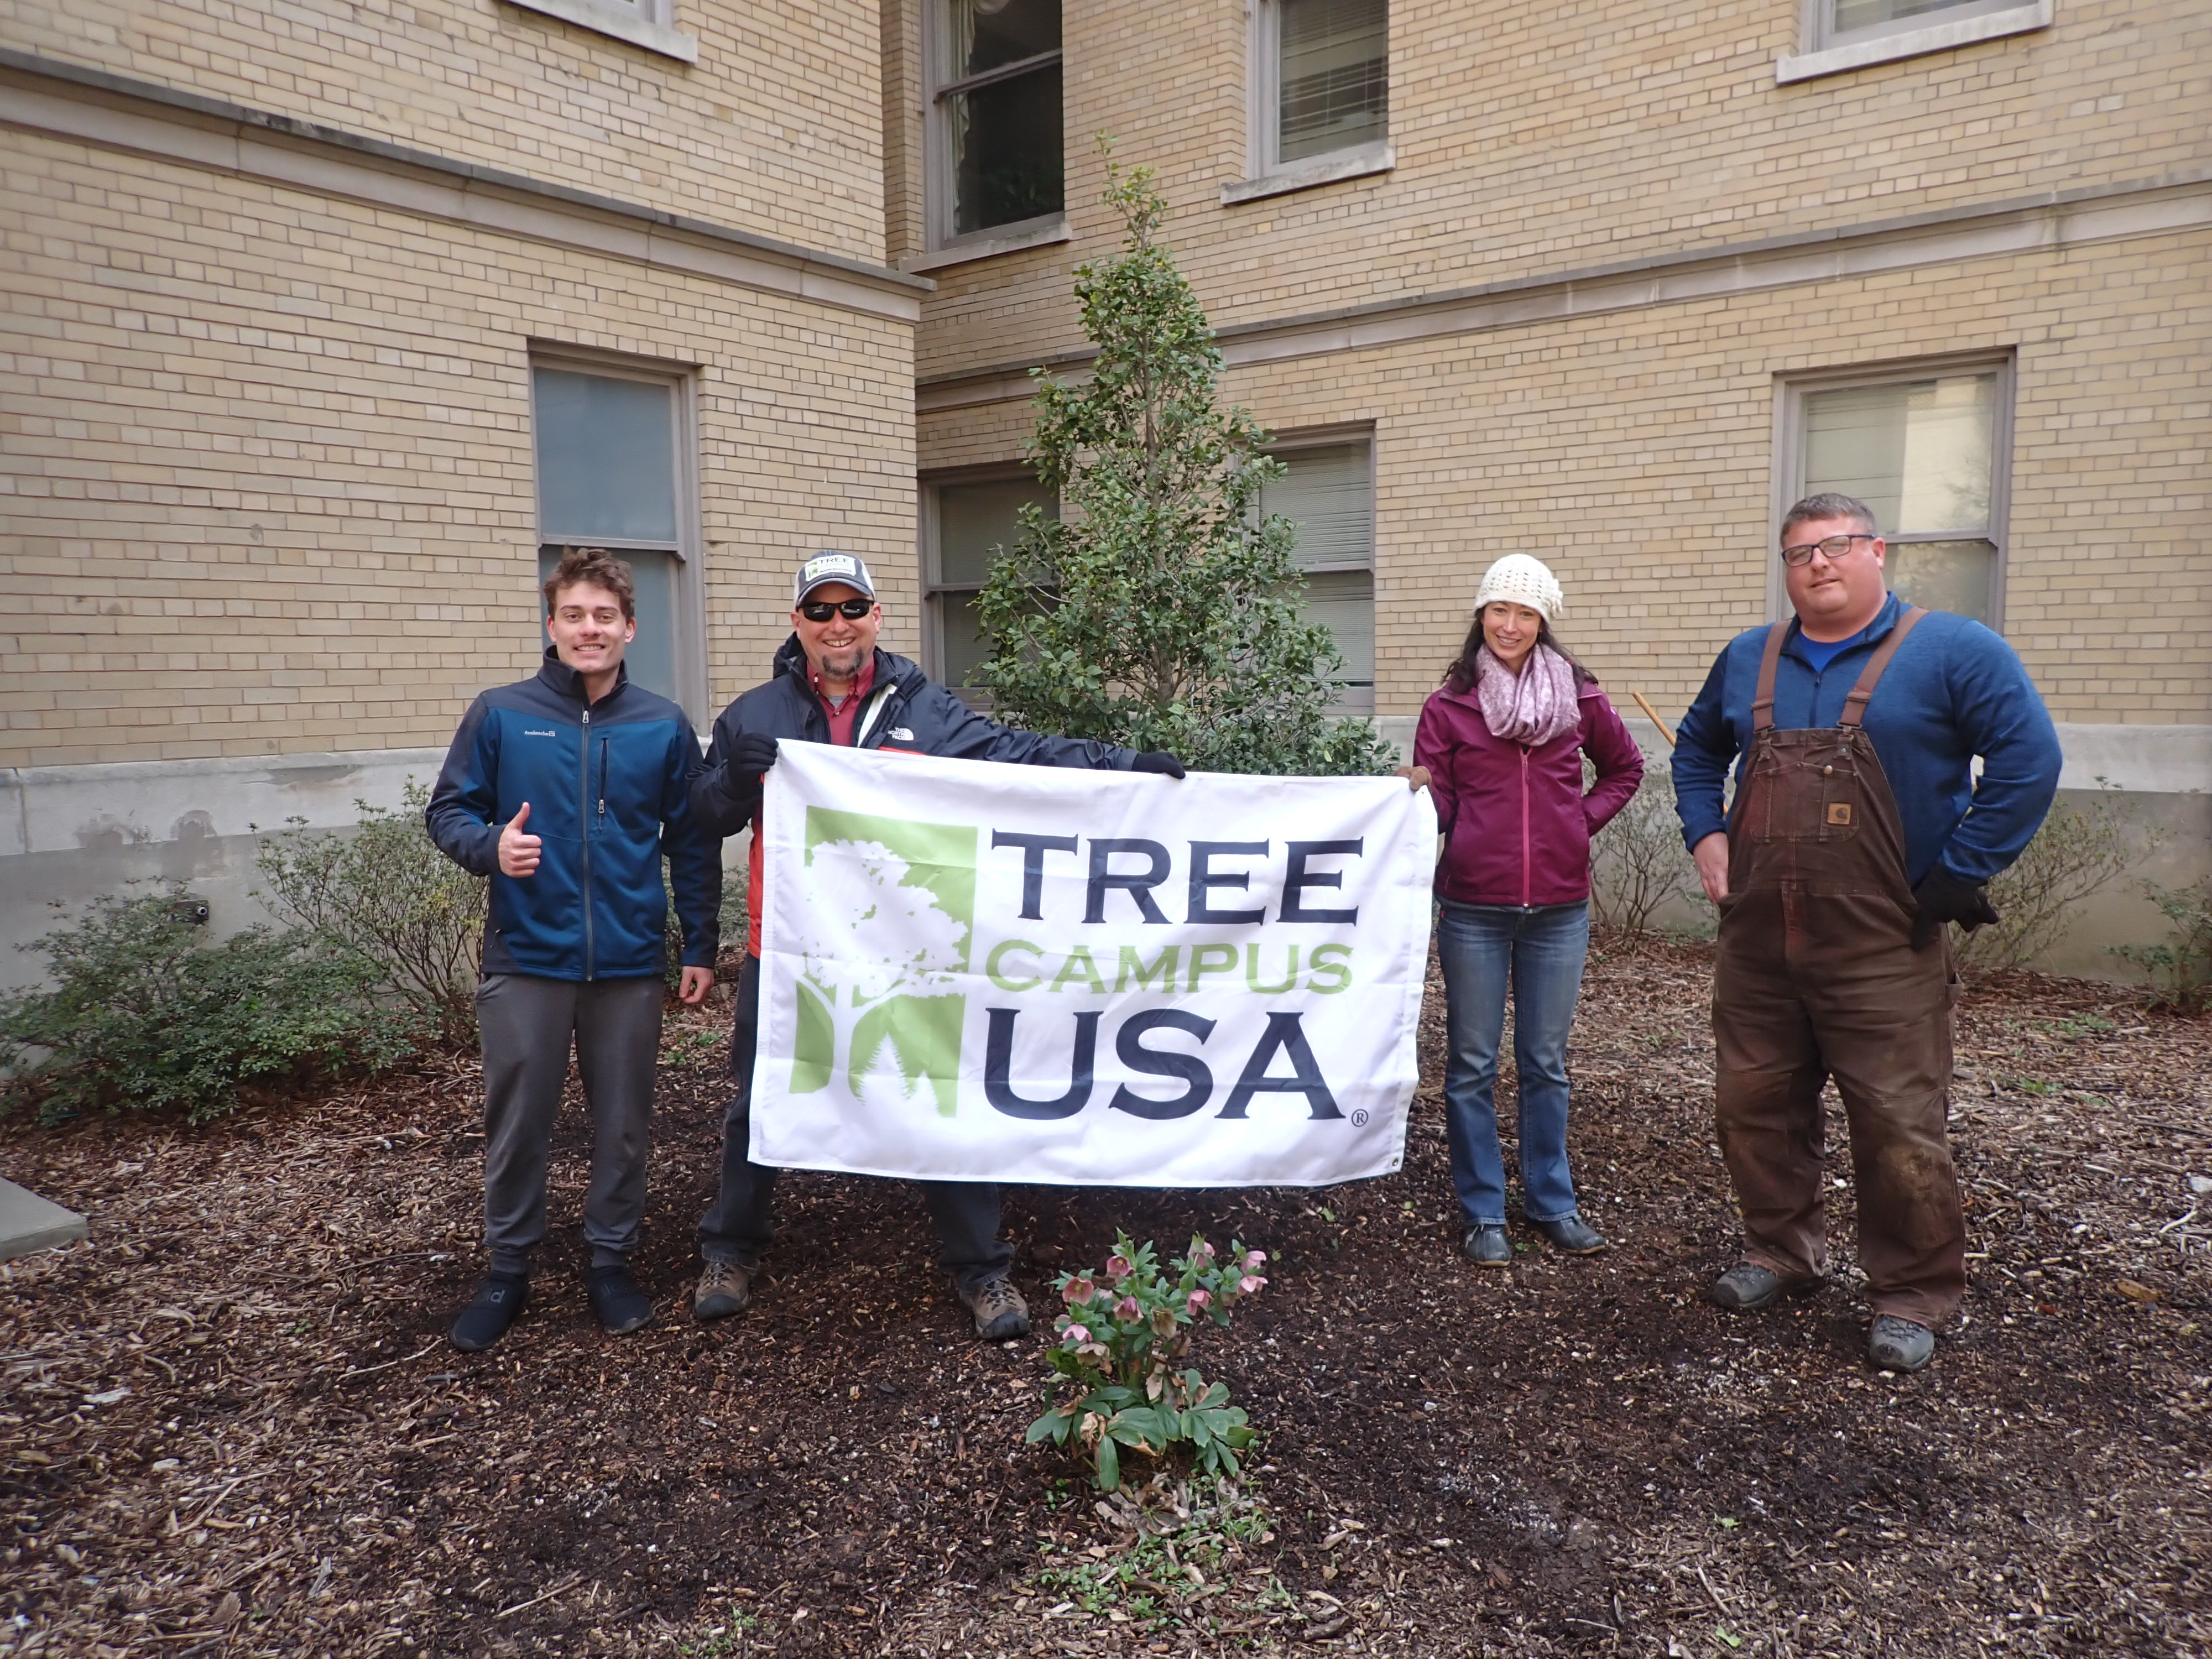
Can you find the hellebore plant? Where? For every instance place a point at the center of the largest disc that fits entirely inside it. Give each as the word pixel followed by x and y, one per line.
pixel 1115 1383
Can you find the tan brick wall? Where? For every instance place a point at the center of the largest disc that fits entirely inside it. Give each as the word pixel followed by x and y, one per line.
pixel 1533 138
pixel 265 466
pixel 777 128
pixel 1634 452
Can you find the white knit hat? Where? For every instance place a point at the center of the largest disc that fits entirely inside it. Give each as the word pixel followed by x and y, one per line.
pixel 1520 580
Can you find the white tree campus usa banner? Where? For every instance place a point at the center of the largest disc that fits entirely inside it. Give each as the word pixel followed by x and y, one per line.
pixel 983 972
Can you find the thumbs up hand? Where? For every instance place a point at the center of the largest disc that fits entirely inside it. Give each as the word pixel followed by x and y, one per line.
pixel 518 852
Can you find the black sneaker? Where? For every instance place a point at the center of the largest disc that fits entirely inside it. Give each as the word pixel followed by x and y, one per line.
pixel 1487 1246
pixel 615 1299
pixel 497 1304
pixel 1572 1234
pixel 1000 1314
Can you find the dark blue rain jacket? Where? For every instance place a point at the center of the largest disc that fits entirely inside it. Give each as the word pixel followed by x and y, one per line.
pixel 607 788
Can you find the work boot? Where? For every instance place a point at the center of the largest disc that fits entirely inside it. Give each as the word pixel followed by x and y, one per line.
pixel 1487 1246
pixel 1898 1344
pixel 726 1288
pixel 615 1299
pixel 1572 1234
pixel 496 1306
pixel 1748 1287
pixel 1000 1313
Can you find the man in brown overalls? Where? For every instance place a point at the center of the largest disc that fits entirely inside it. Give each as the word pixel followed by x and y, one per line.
pixel 1859 831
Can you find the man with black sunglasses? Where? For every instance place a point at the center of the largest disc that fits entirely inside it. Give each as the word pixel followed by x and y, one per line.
pixel 1859 831
pixel 832 684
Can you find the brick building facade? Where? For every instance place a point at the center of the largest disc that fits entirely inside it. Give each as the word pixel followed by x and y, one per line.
pixel 325 322
pixel 1613 285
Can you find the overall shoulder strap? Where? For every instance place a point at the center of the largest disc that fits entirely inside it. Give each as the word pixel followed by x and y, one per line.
pixel 1855 704
pixel 1762 700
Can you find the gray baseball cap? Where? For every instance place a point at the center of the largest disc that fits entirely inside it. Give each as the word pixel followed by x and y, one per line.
pixel 825 568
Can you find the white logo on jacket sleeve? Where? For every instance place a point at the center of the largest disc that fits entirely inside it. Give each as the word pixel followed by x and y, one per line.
pixel 900 734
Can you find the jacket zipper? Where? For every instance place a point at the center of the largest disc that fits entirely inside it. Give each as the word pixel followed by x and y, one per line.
pixel 602 784
pixel 1527 855
pixel 584 801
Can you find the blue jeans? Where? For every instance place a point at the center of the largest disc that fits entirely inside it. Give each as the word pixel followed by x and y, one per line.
pixel 1539 951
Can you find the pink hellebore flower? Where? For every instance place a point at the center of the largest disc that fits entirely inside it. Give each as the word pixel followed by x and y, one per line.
pixel 1117 1266
pixel 1076 1333
pixel 1255 1260
pixel 1125 1308
pixel 1200 1299
pixel 1079 1291
pixel 1249 1284
pixel 1201 1254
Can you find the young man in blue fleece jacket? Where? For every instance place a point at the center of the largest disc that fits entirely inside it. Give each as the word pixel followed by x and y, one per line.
pixel 567 790
pixel 1858 832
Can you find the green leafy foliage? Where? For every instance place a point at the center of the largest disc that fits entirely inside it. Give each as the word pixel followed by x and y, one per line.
pixel 1159 609
pixel 143 1015
pixel 1115 1387
pixel 2180 968
pixel 384 893
pixel 1186 1543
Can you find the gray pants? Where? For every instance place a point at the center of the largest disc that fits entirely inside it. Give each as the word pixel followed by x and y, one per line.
pixel 526 1023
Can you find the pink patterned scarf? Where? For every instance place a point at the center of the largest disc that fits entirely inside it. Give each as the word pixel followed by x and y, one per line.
pixel 1540 703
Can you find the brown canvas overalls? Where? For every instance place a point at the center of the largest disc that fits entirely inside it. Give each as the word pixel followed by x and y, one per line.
pixel 1817 977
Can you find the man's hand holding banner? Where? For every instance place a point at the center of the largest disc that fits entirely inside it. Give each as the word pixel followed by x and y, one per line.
pixel 976 972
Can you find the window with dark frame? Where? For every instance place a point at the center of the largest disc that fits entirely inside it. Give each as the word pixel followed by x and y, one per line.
pixel 609 475
pixel 1326 81
pixel 1328 491
pixel 1925 451
pixel 996 110
pixel 969 525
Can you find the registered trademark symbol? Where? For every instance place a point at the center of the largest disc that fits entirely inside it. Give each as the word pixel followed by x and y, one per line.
pixel 1359 1117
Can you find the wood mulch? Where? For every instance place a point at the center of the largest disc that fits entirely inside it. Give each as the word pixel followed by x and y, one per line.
pixel 230 1424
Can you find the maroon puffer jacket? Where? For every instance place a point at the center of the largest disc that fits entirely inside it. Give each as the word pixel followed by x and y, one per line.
pixel 1518 825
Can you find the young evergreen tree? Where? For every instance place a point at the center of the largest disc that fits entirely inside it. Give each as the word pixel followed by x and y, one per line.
pixel 1159 609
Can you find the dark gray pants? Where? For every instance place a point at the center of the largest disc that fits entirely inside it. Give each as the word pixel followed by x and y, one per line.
pixel 737 1226
pixel 527 1024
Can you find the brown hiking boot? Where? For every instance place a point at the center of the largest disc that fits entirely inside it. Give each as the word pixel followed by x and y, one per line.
pixel 726 1288
pixel 1000 1313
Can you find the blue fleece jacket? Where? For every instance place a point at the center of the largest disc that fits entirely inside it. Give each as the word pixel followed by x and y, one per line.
pixel 607 787
pixel 1953 690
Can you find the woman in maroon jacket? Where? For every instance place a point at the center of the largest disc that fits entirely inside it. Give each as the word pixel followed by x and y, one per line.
pixel 1503 740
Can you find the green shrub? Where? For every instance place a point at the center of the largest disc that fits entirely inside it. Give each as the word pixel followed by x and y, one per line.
pixel 1159 609
pixel 2078 851
pixel 2181 969
pixel 1113 1366
pixel 383 892
pixel 143 1015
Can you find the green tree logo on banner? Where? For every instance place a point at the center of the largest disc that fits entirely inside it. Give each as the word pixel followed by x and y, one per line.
pixel 891 907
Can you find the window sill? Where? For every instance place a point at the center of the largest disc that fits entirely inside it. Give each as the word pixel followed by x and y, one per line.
pixel 989 244
pixel 1912 43
pixel 1358 162
pixel 621 24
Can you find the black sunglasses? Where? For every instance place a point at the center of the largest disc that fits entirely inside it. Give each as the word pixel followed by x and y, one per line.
pixel 820 610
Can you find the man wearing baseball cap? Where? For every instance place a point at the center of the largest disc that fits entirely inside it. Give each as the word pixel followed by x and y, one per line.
pixel 832 684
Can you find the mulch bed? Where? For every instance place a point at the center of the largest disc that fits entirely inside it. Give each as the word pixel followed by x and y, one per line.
pixel 230 1424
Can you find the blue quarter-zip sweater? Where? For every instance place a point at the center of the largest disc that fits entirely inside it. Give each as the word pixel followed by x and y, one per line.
pixel 1953 690
pixel 606 785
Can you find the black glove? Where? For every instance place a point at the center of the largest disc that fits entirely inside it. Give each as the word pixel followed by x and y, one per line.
pixel 751 754
pixel 1944 898
pixel 1157 760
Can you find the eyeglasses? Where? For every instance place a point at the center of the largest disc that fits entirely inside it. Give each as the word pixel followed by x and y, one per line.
pixel 1832 549
pixel 821 610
